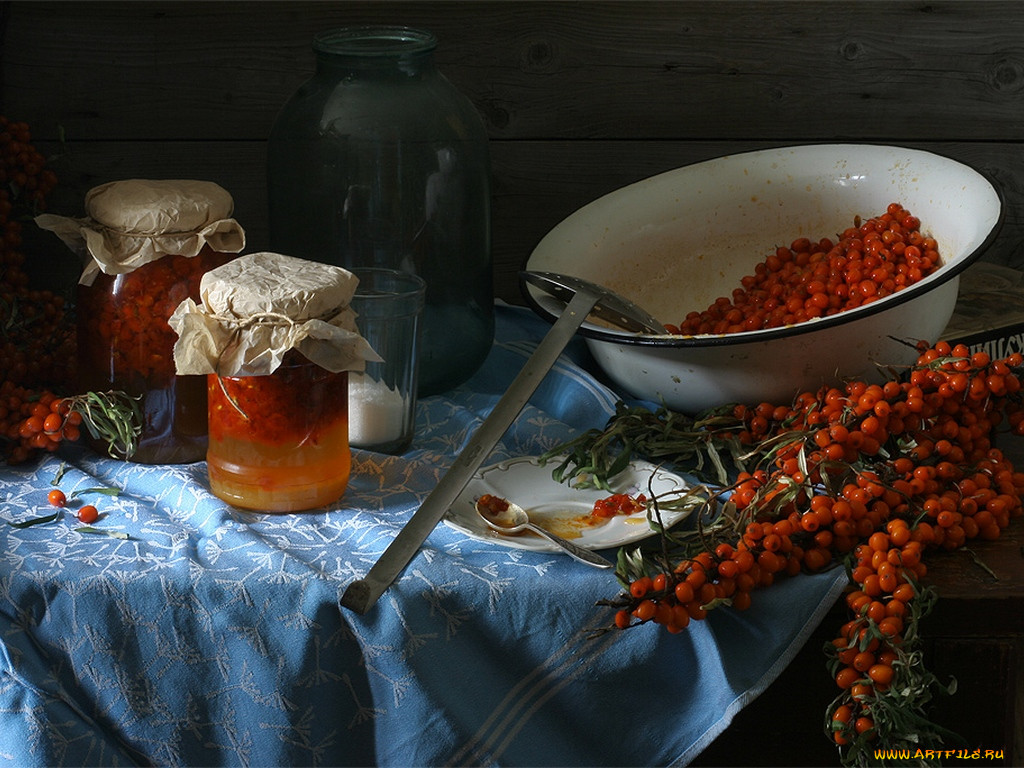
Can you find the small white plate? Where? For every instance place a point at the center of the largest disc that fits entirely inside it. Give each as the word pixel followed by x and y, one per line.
pixel 561 508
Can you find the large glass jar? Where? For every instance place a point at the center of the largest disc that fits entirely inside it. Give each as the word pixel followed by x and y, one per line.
pixel 279 443
pixel 379 161
pixel 145 246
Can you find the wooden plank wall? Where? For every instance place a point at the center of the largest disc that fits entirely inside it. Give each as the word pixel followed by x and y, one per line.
pixel 579 98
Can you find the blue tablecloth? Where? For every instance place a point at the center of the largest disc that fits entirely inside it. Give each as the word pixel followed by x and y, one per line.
pixel 212 636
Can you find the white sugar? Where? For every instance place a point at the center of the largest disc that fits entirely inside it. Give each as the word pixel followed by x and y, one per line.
pixel 375 412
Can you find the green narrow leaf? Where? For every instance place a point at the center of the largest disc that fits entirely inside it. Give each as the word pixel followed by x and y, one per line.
pixel 103 532
pixel 722 474
pixel 59 474
pixel 35 520
pixel 104 491
pixel 620 463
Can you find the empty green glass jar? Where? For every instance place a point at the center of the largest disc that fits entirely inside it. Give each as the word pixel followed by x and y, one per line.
pixel 379 161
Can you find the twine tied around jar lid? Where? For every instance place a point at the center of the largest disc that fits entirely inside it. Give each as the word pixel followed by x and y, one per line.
pixel 258 307
pixel 132 222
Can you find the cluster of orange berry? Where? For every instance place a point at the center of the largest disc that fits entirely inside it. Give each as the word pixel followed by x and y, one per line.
pixel 43 421
pixel 22 168
pixel 37 344
pixel 877 475
pixel 870 654
pixel 845 464
pixel 725 575
pixel 871 259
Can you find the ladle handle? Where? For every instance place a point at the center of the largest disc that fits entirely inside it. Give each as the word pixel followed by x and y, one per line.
pixel 361 594
pixel 579 553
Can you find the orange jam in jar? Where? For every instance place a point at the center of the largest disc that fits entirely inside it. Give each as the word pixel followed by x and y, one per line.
pixel 279 443
pixel 276 337
pixel 145 246
pixel 125 343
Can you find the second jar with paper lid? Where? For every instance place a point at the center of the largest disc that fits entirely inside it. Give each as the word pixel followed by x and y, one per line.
pixel 146 245
pixel 276 338
pixel 279 443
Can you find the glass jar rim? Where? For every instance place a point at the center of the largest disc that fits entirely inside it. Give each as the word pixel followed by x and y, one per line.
pixel 375 40
pixel 381 285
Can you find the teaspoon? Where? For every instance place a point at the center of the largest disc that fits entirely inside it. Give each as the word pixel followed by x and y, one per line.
pixel 506 517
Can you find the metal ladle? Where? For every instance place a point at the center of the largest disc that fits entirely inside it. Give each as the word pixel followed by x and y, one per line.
pixel 617 310
pixel 513 519
pixel 583 299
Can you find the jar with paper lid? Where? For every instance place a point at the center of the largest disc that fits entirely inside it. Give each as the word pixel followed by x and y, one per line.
pixel 146 245
pixel 275 337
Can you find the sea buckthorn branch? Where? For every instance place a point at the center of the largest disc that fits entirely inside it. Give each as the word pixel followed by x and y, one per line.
pixel 872 476
pixel 877 662
pixel 884 698
pixel 113 417
pixel 37 334
pixel 591 459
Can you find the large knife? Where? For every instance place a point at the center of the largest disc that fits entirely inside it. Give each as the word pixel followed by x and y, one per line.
pixel 361 594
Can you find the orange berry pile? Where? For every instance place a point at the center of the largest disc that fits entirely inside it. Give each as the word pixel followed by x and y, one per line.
pixel 870 260
pixel 36 421
pixel 869 654
pixel 22 168
pixel 878 476
pixel 37 343
pixel 618 504
pixel 848 464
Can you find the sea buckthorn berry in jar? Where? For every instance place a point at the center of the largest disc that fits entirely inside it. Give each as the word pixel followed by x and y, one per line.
pixel 276 338
pixel 146 245
pixel 279 443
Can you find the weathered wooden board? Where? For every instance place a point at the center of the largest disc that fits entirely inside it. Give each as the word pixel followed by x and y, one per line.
pixel 782 69
pixel 578 98
pixel 536 184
